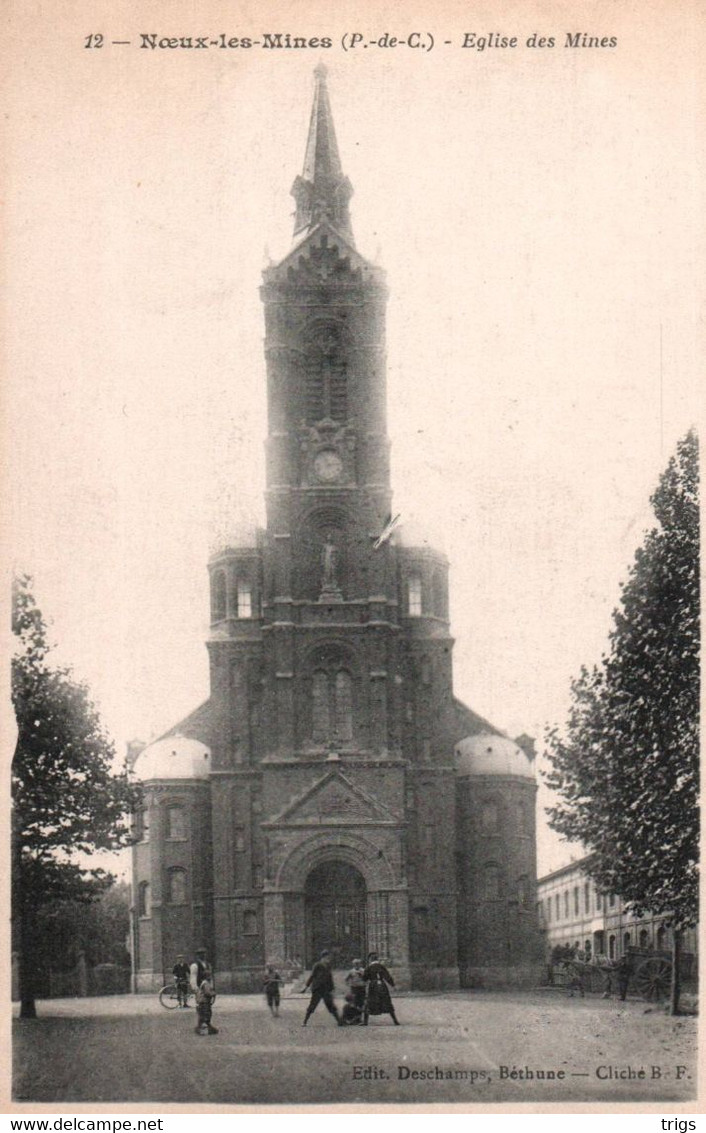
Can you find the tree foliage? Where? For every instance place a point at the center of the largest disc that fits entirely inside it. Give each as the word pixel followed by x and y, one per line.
pixel 626 764
pixel 67 800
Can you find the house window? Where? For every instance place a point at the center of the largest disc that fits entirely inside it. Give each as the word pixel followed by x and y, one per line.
pixel 176 887
pixel 611 901
pixel 414 596
pixel 587 898
pixel 249 923
pixel 144 899
pixel 243 598
pixel 549 910
pixel 557 906
pixel 176 825
pixel 576 901
pixel 611 947
pixel 218 596
pixel 599 902
pixel 626 942
pixel 644 938
pixel 566 904
pixel 661 937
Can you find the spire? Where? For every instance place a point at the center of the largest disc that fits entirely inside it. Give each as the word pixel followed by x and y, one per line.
pixel 322 192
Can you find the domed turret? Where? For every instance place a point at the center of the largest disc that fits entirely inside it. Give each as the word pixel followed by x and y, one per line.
pixel 174 757
pixel 489 754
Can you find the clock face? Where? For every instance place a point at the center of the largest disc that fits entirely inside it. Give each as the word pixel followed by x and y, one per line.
pixel 328 466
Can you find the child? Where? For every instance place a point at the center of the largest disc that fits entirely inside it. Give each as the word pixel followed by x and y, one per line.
pixel 205 996
pixel 271 984
pixel 352 1015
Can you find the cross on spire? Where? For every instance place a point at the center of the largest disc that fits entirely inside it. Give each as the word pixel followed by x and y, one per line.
pixel 322 192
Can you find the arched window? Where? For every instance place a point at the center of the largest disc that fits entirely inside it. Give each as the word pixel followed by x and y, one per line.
pixel 343 700
pixel 611 947
pixel 176 886
pixel 566 904
pixel 218 596
pixel 243 594
pixel 644 938
pixel 557 906
pixel 144 899
pixel 626 942
pixel 326 379
pixel 521 813
pixel 587 898
pixel 249 923
pixel 661 937
pixel 332 701
pixel 143 825
pixel 576 900
pixel 489 817
pixel 491 882
pixel 425 669
pixel 437 584
pixel 414 596
pixel 176 824
pixel 319 707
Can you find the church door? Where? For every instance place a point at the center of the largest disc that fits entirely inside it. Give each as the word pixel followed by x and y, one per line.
pixel 335 902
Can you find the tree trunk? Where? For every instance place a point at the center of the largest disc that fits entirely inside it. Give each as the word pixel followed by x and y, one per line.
pixel 676 972
pixel 28 1009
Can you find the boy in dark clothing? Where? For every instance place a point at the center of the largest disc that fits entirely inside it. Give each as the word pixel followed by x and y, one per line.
pixel 205 996
pixel 321 983
pixel 271 984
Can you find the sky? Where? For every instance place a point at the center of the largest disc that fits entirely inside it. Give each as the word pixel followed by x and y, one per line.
pixel 537 216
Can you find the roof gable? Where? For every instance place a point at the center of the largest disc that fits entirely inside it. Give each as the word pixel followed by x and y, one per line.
pixel 333 800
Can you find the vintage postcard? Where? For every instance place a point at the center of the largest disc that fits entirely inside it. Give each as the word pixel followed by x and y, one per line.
pixel 345 349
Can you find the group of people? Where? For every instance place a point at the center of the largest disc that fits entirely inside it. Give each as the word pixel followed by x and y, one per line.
pixel 198 978
pixel 368 990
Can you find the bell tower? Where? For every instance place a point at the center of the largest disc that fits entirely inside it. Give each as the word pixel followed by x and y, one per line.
pixel 329 647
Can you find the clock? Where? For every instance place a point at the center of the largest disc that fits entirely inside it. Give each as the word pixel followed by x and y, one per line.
pixel 328 466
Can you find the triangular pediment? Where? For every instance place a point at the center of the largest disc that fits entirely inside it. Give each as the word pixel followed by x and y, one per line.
pixel 322 256
pixel 334 799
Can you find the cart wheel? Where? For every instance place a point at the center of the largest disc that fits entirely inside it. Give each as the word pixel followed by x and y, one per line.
pixel 653 978
pixel 169 997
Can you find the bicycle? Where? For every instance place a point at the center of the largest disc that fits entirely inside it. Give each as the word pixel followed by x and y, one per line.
pixel 171 996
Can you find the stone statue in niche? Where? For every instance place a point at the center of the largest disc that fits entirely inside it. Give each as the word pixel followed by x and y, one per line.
pixel 329 561
pixel 329 565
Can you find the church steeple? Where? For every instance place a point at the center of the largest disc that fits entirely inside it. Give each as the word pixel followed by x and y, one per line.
pixel 322 192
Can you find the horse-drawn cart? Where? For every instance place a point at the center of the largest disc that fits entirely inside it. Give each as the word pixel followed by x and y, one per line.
pixel 649 973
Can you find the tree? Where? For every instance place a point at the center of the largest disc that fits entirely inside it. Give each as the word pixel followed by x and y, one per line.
pixel 626 764
pixel 67 801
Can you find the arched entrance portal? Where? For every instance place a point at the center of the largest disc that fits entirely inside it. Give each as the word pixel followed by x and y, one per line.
pixel 335 902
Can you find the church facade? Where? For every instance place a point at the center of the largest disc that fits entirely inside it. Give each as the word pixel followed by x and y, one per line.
pixel 332 792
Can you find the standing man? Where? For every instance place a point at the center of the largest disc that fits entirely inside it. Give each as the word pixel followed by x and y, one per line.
pixel 321 983
pixel 181 974
pixel 198 971
pixel 624 971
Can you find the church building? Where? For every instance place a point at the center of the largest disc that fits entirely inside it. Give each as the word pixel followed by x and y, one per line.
pixel 332 792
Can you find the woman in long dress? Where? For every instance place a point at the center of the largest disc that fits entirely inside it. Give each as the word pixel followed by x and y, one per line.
pixel 378 982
